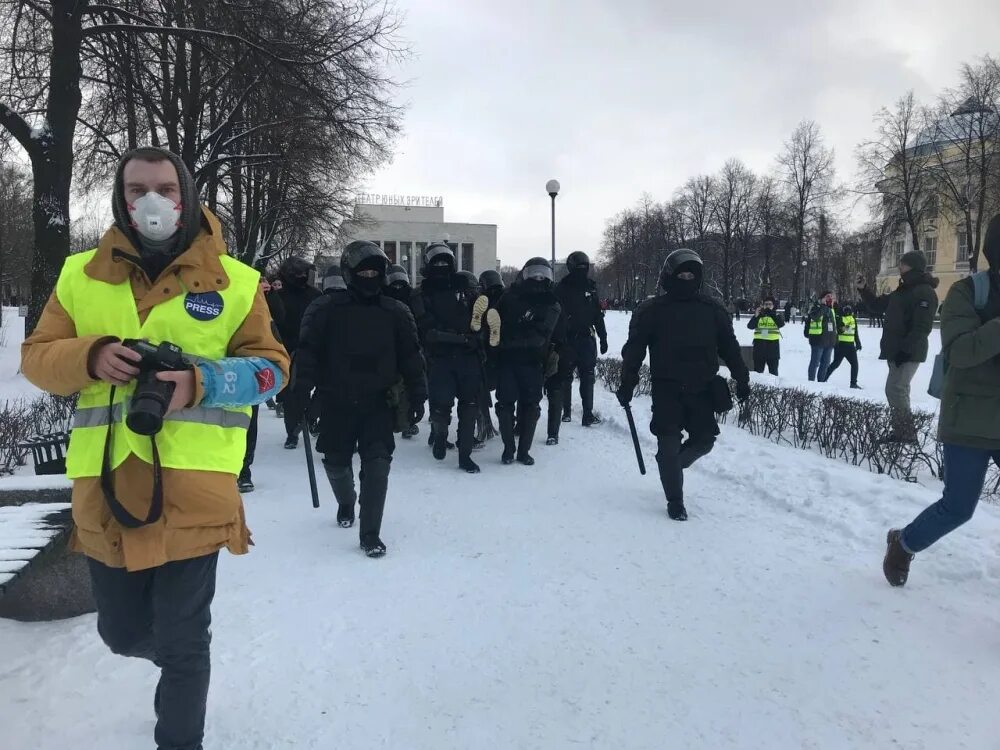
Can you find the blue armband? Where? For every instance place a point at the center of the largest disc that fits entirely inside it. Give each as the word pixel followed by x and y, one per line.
pixel 239 381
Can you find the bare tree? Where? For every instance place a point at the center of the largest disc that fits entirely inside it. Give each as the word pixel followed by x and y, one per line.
pixel 808 172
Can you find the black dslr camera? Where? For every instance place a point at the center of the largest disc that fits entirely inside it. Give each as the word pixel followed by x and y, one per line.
pixel 152 397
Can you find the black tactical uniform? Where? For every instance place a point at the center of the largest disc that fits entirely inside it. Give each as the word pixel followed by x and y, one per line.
pixel 353 348
pixel 296 294
pixel 529 312
pixel 686 333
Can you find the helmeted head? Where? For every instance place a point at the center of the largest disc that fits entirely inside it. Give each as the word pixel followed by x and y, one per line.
pixel 467 282
pixel 536 276
pixel 490 281
pixel 333 279
pixel 155 202
pixel 397 276
pixel 439 261
pixel 682 273
pixel 847 310
pixel 296 272
pixel 578 264
pixel 364 266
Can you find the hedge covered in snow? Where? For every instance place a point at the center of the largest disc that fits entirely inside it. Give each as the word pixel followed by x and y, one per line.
pixel 24 418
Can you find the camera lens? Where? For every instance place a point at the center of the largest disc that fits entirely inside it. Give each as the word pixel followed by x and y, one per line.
pixel 145 417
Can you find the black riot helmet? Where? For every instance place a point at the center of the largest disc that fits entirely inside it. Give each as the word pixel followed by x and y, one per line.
pixel 537 274
pixel 578 262
pixel 359 257
pixel 333 279
pixel 467 282
pixel 439 261
pixel 678 261
pixel 397 275
pixel 490 280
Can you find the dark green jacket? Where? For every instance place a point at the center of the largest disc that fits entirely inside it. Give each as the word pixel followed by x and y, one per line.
pixel 970 340
pixel 909 316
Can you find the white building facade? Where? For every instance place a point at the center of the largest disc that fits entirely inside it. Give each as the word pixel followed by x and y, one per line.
pixel 403 226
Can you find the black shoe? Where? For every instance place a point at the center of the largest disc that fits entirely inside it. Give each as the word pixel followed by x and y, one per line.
pixel 526 459
pixel 373 546
pixel 567 417
pixel 855 386
pixel 279 411
pixel 677 511
pixel 468 466
pixel 245 484
pixel 314 428
pixel 345 517
pixel 291 443
pixel 590 420
pixel 478 445
pixel 270 404
pixel 508 456
pixel 552 441
pixel 896 564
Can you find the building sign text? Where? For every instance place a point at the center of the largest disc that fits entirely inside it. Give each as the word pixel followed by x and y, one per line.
pixel 389 199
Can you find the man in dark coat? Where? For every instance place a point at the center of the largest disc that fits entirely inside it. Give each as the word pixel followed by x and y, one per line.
pixel 297 293
pixel 686 333
pixel 353 348
pixel 909 319
pixel 583 318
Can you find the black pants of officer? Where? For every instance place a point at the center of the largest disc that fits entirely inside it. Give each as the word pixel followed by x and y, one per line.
pixel 850 353
pixel 556 388
pixel 251 444
pixel 163 614
pixel 676 411
pixel 766 354
pixel 452 378
pixel 582 353
pixel 365 429
pixel 519 396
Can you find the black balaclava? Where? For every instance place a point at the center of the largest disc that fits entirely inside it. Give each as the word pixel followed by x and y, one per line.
pixel 154 255
pixel 368 287
pixel 991 246
pixel 682 288
pixel 295 272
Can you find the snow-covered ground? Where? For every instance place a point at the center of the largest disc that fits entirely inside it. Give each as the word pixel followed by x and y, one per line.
pixel 558 607
pixel 795 361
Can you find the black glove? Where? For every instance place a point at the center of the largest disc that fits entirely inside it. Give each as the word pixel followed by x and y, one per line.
pixel 604 346
pixel 624 395
pixel 416 412
pixel 859 347
pixel 901 359
pixel 742 391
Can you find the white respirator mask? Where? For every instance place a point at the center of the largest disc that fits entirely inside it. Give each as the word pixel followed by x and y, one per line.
pixel 155 217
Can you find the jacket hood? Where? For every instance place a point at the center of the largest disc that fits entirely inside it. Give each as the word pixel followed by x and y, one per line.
pixel 915 278
pixel 190 205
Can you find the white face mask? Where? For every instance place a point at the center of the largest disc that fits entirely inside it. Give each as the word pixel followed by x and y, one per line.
pixel 155 217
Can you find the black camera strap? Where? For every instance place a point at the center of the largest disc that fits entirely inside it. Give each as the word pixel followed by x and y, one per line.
pixel 118 510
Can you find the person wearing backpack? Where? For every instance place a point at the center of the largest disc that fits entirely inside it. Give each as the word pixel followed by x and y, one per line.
pixel 968 426
pixel 909 319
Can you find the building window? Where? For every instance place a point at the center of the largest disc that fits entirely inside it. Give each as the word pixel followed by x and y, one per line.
pixel 419 259
pixel 468 256
pixel 898 250
pixel 406 257
pixel 389 248
pixel 930 251
pixel 962 251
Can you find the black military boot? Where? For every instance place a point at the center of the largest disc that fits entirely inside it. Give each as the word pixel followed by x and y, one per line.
pixel 676 510
pixel 505 415
pixel 439 437
pixel 342 482
pixel 467 437
pixel 527 420
pixel 587 398
pixel 374 486
pixel 554 414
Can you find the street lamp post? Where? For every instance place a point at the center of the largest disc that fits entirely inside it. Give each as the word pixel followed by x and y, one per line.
pixel 552 188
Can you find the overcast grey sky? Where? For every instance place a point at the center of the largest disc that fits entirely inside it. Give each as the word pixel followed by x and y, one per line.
pixel 618 97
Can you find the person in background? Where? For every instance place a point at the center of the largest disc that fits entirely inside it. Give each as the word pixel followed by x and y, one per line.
pixel 820 328
pixel 152 512
pixel 909 313
pixel 766 325
pixel 397 286
pixel 848 344
pixel 968 426
pixel 296 293
pixel 789 312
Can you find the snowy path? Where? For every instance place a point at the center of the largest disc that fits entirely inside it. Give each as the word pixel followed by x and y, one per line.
pixel 557 607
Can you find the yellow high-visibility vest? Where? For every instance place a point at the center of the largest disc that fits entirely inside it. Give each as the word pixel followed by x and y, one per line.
pixel 202 325
pixel 767 329
pixel 848 329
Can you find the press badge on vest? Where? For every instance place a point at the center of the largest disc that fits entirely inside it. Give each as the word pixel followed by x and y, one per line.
pixel 206 306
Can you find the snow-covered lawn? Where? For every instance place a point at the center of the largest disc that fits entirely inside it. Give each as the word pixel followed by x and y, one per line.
pixel 558 607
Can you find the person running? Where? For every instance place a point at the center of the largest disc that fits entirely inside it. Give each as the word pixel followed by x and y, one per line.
pixel 848 344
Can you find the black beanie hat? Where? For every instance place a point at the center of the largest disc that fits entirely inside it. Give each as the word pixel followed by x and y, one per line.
pixel 915 260
pixel 991 245
pixel 190 205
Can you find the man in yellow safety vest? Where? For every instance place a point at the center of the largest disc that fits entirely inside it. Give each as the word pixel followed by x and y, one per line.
pixel 169 343
pixel 848 344
pixel 766 326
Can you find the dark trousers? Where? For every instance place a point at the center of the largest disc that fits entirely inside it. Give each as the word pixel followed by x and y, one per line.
pixel 582 354
pixel 556 389
pixel 676 412
pixel 458 377
pixel 964 476
pixel 251 443
pixel 766 354
pixel 850 353
pixel 519 393
pixel 163 614
pixel 366 431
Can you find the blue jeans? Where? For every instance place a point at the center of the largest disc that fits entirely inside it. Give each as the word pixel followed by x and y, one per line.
pixel 964 475
pixel 819 362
